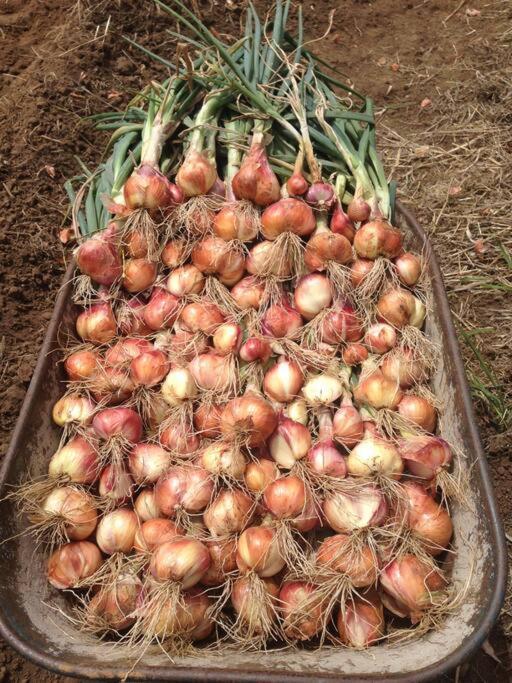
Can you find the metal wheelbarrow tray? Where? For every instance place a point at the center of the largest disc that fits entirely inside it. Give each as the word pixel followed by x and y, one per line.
pixel 29 622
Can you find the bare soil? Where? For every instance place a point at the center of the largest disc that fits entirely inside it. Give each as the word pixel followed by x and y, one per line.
pixel 62 60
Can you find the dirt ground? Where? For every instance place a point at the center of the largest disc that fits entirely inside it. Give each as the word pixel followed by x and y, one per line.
pixel 439 72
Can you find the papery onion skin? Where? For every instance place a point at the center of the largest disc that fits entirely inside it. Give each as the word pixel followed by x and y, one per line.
pixel 256 180
pixel 145 505
pixel 354 354
pixel 115 485
pixel 229 513
pixel 283 381
pixel 361 622
pixel 184 560
pixel 174 253
pixel 287 215
pixel 258 550
pixel 75 508
pixel 118 422
pixel 378 238
pixel 340 324
pixel 285 497
pixel 207 420
pixel 424 455
pixel 348 428
pixel 249 415
pixel 138 274
pixel 232 223
pixel 147 188
pixel 243 597
pixel 375 455
pixel 289 443
pixel 153 533
pixel 130 317
pixel 197 174
pixel 359 509
pixel 202 317
pixel 97 324
pixel 378 391
pixel 136 244
pixel 399 307
pixel 429 520
pixel 111 385
pixel 419 411
pixel 313 293
pixel 413 584
pixel 258 261
pixel 179 386
pixel 113 606
pixel 404 367
pixel 116 531
pixel 73 409
pixel 357 562
pixel 161 310
pixel 227 338
pixel 223 459
pixel 320 195
pixel 302 609
pixel 408 267
pixel 185 280
pixel 210 255
pixel 297 184
pixel 73 562
pixel 325 459
pixel 149 368
pixel 147 462
pixel 255 349
pixel 223 561
pixel 360 270
pixel 341 223
pixel 325 247
pixel 248 292
pixel 281 320
pixel 259 473
pixel 180 439
pixel 380 338
pixel 358 210
pixel 190 488
pixel 81 365
pixel 323 389
pixel 211 371
pixel 99 258
pixel 77 460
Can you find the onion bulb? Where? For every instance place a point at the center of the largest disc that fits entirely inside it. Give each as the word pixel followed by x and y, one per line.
pixel 153 533
pixel 229 513
pixel 185 280
pixel 259 473
pixel 430 521
pixel 223 561
pixel 419 411
pixel 283 381
pixel 138 274
pixel 258 550
pixel 145 505
pixel 255 607
pixel 378 391
pixel 97 324
pixel 255 349
pixel 99 258
pixel 190 488
pixel 197 174
pixel 178 386
pixel 408 267
pixel 313 293
pixel 74 508
pixel 281 320
pixel 183 560
pixel 147 462
pixel 77 460
pixel 297 411
pixel 287 215
pixel 149 368
pixel 348 428
pixel 289 443
pixel 223 459
pixel 340 324
pixel 113 606
pixel 259 262
pixel 248 292
pixel 375 455
pixel 115 485
pixel 126 349
pixel 118 422
pixel 227 338
pixel 346 511
pixel 207 420
pixel 302 609
pixel 256 181
pixel 211 371
pixel 249 416
pixel 411 586
pixel 377 238
pixel 399 307
pixel 233 223
pixel 341 224
pixel 322 390
pixel 161 310
pixel 380 338
pixel 202 317
pixel 360 622
pixel 116 531
pixel 147 188
pixel 358 210
pixel 404 367
pixel 81 365
pixel 73 408
pixel 174 253
pixel 339 554
pixel 424 455
pixel 72 563
pixel 180 438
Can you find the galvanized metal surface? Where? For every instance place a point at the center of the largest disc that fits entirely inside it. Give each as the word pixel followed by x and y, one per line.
pixel 31 622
